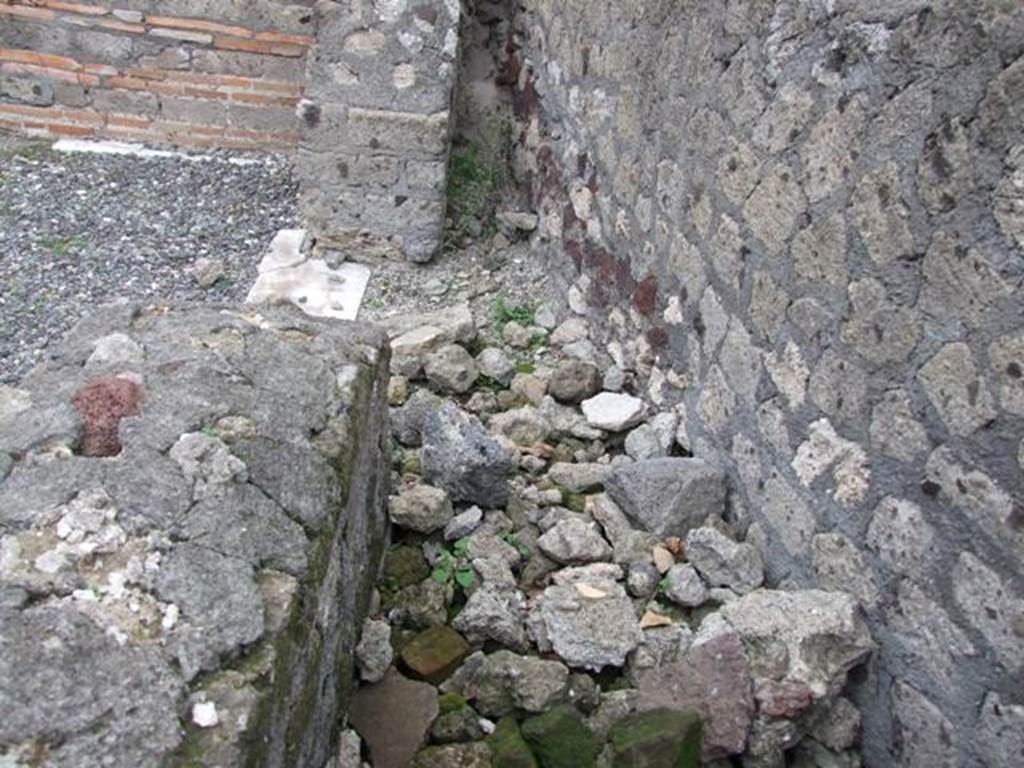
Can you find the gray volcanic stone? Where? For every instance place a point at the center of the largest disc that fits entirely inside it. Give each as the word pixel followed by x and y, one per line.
pixel 495 364
pixel 493 613
pixel 69 683
pixel 724 563
pixel 574 541
pixel 462 724
pixel 421 508
pixel 503 682
pixel 660 646
pixel 653 439
pixel 613 411
pixel 824 635
pixel 684 586
pixel 451 369
pixel 1000 733
pixel 574 381
pixel 219 600
pixel 463 524
pixel 523 426
pixel 712 678
pixel 124 579
pixel 407 420
pixel 588 623
pixel 459 456
pixel 668 496
pixel 579 478
pixel 642 579
pixel 374 652
pixel 393 718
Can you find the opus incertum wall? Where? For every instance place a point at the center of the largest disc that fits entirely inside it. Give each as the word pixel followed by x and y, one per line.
pixel 803 222
pixel 376 122
pixel 193 73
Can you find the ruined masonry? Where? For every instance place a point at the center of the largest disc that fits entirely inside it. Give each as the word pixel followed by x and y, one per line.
pixel 191 502
pixel 787 236
pixel 374 153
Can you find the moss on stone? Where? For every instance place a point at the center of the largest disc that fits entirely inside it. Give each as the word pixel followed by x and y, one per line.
pixel 435 653
pixel 404 566
pixel 577 502
pixel 450 702
pixel 658 738
pixel 560 739
pixel 508 748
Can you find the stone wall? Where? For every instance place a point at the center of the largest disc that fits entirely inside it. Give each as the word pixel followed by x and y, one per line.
pixel 191 518
pixel 376 119
pixel 803 223
pixel 194 73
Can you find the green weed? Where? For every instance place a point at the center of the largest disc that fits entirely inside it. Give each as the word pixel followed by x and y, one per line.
pixel 452 565
pixel 503 313
pixel 59 246
pixel 475 179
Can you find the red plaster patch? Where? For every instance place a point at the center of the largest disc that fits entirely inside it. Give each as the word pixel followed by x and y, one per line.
pixel 102 404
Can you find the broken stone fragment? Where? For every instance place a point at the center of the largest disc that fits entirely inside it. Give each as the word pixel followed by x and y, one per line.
pixel 393 717
pixel 459 456
pixel 579 478
pixel 407 420
pixel 409 350
pixel 656 737
pixel 613 411
pixel 373 653
pixel 574 541
pixel 654 439
pixel 589 624
pixel 668 496
pixel 504 682
pixel 435 653
pixel 493 613
pixel 684 586
pixel 524 426
pixel 724 563
pixel 574 381
pixel 421 508
pixel 463 524
pixel 451 369
pixel 495 364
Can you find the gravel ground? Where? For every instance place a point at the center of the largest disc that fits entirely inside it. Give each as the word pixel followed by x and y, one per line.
pixel 479 275
pixel 80 229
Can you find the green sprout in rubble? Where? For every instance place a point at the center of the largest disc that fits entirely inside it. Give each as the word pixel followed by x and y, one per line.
pixel 452 565
pixel 488 383
pixel 475 179
pixel 59 246
pixel 503 313
pixel 512 541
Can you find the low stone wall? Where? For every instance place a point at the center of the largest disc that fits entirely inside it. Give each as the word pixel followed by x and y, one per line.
pixel 194 73
pixel 191 517
pixel 374 154
pixel 803 224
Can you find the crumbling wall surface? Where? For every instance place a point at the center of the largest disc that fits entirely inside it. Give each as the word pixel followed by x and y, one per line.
pixel 376 126
pixel 194 73
pixel 804 222
pixel 191 516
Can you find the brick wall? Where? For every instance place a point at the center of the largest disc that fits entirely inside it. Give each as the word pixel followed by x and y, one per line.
pixel 192 73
